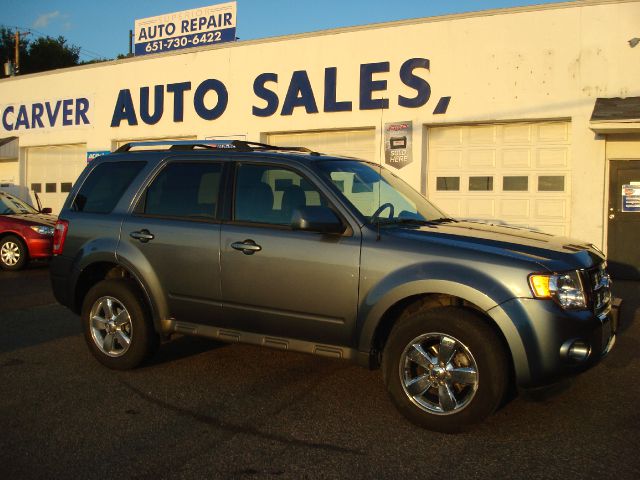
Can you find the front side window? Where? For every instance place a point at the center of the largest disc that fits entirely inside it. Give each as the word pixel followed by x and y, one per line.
pixel 184 190
pixel 271 194
pixel 102 190
pixel 378 194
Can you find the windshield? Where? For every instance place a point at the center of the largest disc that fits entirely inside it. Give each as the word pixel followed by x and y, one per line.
pixel 10 205
pixel 378 194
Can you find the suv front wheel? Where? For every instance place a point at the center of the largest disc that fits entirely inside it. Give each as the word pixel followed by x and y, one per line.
pixel 445 368
pixel 117 325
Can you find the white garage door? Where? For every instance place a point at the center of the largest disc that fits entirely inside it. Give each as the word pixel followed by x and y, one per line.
pixel 52 171
pixel 9 172
pixel 350 143
pixel 516 173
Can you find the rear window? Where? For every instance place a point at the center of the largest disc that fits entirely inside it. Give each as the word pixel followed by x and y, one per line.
pixel 102 190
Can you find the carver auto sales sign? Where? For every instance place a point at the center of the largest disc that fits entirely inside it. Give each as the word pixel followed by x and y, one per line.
pixel 185 29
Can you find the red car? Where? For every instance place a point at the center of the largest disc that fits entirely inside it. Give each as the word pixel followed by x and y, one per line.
pixel 25 232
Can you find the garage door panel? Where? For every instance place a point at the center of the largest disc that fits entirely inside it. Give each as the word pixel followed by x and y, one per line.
pixel 552 158
pixel 516 158
pixel 481 159
pixel 519 171
pixel 352 143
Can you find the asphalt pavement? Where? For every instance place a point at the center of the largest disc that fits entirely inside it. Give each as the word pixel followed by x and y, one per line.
pixel 202 409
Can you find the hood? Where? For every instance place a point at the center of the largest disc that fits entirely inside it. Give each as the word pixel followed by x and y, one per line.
pixel 552 252
pixel 33 218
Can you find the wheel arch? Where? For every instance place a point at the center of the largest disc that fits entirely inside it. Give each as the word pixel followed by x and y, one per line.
pixel 100 270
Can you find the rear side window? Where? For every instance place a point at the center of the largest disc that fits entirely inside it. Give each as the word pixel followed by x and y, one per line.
pixel 102 190
pixel 185 190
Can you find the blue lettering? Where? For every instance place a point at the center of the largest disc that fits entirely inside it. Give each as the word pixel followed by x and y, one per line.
pixel 52 116
pixel 178 90
pixel 7 126
pixel 67 112
pixel 217 86
pixel 420 85
pixel 299 94
pixel 23 119
pixel 158 100
pixel 82 107
pixel 124 109
pixel 143 34
pixel 330 87
pixel 37 109
pixel 368 85
pixel 227 18
pixel 185 26
pixel 264 93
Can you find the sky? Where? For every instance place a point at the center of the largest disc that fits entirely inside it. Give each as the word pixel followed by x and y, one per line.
pixel 101 28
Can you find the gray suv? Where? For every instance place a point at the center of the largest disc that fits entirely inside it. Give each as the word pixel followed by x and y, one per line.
pixel 294 250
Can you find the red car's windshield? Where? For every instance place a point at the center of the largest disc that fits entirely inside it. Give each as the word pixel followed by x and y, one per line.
pixel 10 205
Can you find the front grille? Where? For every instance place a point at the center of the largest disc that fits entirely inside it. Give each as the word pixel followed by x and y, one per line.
pixel 599 289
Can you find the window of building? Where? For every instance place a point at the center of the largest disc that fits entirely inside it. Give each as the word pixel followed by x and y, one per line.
pixel 448 183
pixel 50 187
pixel 515 183
pixel 551 183
pixel 480 184
pixel 36 187
pixel 65 187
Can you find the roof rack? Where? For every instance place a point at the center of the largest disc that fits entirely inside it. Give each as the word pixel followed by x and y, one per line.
pixel 237 145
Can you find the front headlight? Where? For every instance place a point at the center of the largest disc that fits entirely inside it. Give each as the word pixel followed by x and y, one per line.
pixel 43 230
pixel 564 288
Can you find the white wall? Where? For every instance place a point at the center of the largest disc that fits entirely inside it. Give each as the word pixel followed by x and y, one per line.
pixel 548 62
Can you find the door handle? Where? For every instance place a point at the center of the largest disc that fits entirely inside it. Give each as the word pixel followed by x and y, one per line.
pixel 143 235
pixel 248 247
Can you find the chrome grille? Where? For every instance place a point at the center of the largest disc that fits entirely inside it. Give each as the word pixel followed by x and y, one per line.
pixel 599 289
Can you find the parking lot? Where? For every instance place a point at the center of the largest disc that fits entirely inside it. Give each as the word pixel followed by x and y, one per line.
pixel 202 409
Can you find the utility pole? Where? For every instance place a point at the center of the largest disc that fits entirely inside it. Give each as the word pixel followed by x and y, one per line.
pixel 17 56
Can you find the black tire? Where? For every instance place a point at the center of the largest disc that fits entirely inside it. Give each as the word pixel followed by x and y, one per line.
pixel 120 313
pixel 446 405
pixel 13 253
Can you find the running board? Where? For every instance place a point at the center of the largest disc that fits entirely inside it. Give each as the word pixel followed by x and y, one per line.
pixel 279 343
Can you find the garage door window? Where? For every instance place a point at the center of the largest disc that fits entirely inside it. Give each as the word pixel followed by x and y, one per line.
pixel 515 184
pixel 551 183
pixel 448 184
pixel 480 184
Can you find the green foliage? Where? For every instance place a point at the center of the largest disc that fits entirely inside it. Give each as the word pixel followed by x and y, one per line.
pixel 39 55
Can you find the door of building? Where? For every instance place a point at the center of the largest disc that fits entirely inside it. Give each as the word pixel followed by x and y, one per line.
pixel 624 219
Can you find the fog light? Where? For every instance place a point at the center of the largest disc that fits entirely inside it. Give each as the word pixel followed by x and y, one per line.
pixel 579 351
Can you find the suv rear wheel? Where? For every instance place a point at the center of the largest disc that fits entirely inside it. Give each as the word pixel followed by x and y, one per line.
pixel 117 325
pixel 445 369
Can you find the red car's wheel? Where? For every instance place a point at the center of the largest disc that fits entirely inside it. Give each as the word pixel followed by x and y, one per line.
pixel 13 253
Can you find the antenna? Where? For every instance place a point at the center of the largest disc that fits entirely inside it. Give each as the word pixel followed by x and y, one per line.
pixel 380 164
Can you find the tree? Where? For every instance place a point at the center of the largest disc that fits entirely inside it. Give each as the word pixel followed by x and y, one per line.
pixel 47 53
pixel 42 54
pixel 8 49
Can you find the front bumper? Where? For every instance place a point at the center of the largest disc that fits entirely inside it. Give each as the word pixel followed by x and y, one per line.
pixel 544 333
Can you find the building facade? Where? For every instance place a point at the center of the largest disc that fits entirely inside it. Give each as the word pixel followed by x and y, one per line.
pixel 503 115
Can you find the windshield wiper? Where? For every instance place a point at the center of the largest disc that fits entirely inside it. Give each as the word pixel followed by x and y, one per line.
pixel 415 221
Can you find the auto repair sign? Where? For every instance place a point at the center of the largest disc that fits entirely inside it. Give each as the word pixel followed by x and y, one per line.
pixel 185 29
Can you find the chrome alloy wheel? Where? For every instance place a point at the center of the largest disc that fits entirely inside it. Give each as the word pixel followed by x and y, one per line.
pixel 110 326
pixel 438 373
pixel 10 253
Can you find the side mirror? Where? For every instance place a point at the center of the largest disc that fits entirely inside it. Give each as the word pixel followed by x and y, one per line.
pixel 316 219
pixel 46 210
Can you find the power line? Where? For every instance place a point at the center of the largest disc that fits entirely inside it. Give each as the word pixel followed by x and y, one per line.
pixel 84 51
